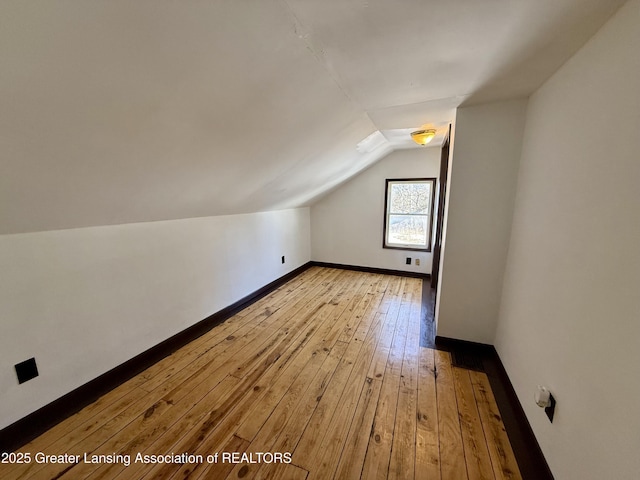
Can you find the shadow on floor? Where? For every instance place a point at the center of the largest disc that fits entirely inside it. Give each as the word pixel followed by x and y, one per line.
pixel 427 316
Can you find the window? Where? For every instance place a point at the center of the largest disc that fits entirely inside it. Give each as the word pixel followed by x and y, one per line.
pixel 408 212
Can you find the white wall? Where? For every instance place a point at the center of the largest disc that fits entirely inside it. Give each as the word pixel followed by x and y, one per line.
pixel 570 311
pixel 83 301
pixel 347 225
pixel 483 173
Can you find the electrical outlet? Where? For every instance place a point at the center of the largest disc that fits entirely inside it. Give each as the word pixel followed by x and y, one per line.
pixel 545 400
pixel 418 262
pixel 282 258
pixel 26 370
pixel 408 261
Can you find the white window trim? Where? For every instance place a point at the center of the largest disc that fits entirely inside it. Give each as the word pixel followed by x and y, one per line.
pixel 429 215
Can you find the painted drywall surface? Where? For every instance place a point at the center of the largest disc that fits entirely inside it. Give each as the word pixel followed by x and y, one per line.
pixel 117 112
pixel 83 301
pixel 484 168
pixel 347 224
pixel 570 311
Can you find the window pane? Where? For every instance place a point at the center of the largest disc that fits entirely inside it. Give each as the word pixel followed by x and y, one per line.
pixel 407 230
pixel 409 198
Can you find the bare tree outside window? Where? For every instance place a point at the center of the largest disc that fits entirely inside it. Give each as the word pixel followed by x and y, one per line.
pixel 409 205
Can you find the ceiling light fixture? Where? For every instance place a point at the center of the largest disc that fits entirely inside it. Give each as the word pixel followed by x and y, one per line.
pixel 422 137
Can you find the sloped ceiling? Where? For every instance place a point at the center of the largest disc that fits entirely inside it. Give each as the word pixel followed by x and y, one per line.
pixel 128 111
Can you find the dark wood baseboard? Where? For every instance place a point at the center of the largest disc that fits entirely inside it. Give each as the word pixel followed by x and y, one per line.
pixel 26 429
pixel 382 271
pixel 531 461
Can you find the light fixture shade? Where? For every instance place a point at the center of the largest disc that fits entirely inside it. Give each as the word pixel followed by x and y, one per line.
pixel 422 137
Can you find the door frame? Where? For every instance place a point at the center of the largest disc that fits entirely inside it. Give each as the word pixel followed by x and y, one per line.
pixel 442 195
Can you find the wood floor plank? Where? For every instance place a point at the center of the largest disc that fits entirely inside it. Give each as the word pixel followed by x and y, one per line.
pixel 141 428
pixel 322 415
pixel 325 421
pixel 427 443
pixel 452 464
pixel 403 449
pixel 292 411
pixel 249 336
pixel 350 316
pixel 165 442
pixel 215 431
pixel 196 351
pixel 379 362
pixel 476 453
pixel 354 453
pixel 193 440
pixel 355 447
pixel 327 367
pixel 230 423
pixel 240 413
pixel 502 457
pixel 287 437
pixel 256 418
pixel 64 428
pixel 332 445
pixel 221 468
pixel 376 464
pixel 283 471
pixel 199 433
pixel 88 435
pixel 224 364
pixel 282 295
pixel 251 420
pixel 376 291
pixel 252 316
pixel 155 425
pixel 319 316
pixel 252 410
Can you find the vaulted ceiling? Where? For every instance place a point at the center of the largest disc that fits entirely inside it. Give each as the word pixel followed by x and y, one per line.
pixel 128 111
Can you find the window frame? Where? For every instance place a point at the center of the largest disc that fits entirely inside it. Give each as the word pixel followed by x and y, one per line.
pixel 390 181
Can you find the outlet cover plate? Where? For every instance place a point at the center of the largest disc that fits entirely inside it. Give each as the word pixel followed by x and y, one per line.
pixel 26 370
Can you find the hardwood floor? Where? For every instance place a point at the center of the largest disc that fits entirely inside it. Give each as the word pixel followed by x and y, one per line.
pixel 327 368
